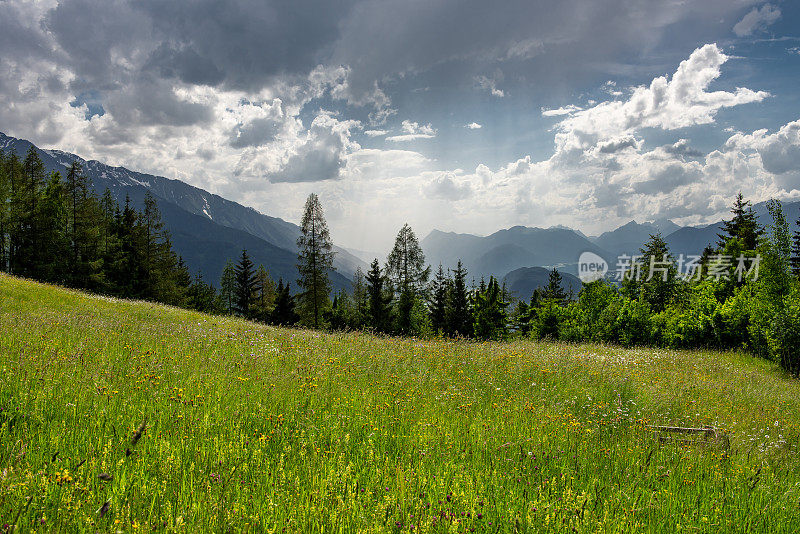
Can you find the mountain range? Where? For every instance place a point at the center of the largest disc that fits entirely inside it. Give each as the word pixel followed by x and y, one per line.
pixel 206 229
pixel 514 248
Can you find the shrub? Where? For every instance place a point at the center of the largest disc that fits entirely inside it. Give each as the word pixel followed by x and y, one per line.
pixel 633 324
pixel 784 336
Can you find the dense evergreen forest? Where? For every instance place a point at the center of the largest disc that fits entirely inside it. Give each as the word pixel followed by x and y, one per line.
pixel 742 293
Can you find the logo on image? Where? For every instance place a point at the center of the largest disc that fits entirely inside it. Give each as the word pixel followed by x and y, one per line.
pixel 591 267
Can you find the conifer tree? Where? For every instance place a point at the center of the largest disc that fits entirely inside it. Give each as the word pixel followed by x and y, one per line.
pixel 264 298
pixel 340 315
pixel 315 262
pixel 437 303
pixel 5 210
pixel 26 250
pixel 52 238
pixel 406 269
pixel 201 295
pixel 284 311
pixel 554 290
pixel 130 275
pixel 659 282
pixel 458 315
pixel 246 286
pixel 490 313
pixel 744 225
pixel 228 287
pixel 86 218
pixel 360 300
pixel 158 260
pixel 379 298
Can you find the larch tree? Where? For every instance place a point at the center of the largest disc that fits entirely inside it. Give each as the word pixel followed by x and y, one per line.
pixel 315 261
pixel 406 269
pixel 227 287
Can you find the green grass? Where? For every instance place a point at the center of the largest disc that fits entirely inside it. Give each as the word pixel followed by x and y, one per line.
pixel 255 428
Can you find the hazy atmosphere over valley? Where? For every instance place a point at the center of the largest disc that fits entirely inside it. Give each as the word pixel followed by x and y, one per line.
pixel 457 116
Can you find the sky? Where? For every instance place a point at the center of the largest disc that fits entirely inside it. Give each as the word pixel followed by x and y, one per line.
pixel 465 116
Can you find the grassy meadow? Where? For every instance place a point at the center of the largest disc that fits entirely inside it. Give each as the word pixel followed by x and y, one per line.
pixel 130 416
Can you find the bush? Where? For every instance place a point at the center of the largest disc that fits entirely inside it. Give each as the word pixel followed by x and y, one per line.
pixel 633 323
pixel 693 325
pixel 784 336
pixel 546 324
pixel 732 318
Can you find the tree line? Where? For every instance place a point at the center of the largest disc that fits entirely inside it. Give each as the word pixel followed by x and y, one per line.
pixel 56 229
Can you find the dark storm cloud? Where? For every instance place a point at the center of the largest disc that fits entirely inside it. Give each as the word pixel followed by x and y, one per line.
pixel 185 64
pixel 242 43
pixel 246 43
pixel 18 35
pixel 544 42
pixel 100 39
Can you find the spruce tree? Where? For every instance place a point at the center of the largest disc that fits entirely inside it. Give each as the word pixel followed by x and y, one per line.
pixel 52 238
pixel 458 315
pixel 437 303
pixel 284 312
pixel 315 261
pixel 659 282
pixel 246 286
pixel 201 295
pixel 130 277
pixel 158 259
pixel 85 231
pixel 379 298
pixel 26 249
pixel 490 313
pixel 744 225
pixel 554 290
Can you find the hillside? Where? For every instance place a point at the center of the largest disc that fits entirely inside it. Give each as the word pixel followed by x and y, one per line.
pixel 207 229
pixel 118 415
pixel 521 282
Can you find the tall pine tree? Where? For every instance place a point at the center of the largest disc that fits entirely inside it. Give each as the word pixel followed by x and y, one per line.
pixel 744 225
pixel 437 300
pixel 458 316
pixel 246 286
pixel 379 298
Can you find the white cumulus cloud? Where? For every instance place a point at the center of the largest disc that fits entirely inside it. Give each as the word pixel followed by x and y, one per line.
pixel 413 131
